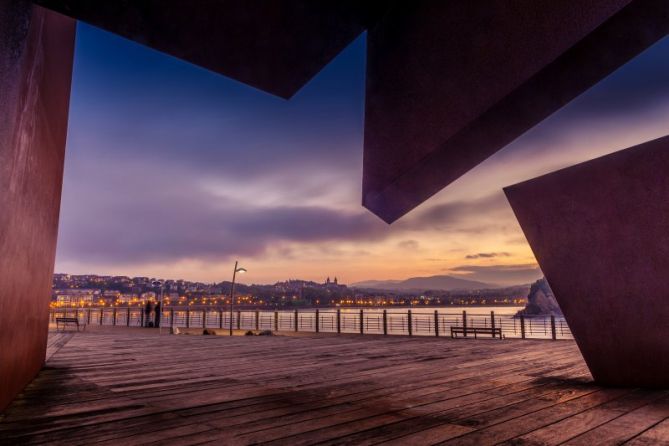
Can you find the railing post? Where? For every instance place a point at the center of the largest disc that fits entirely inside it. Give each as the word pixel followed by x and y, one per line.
pixel 220 317
pixel 362 321
pixel 114 317
pixel 522 326
pixel 257 320
pixel 102 313
pixel 464 323
pixel 409 323
pixel 276 321
pixel 239 319
pixel 338 321
pixel 127 321
pixel 171 317
pixel 296 321
pixel 492 324
pixel 317 322
pixel 385 322
pixel 436 323
pixel 553 332
pixel 187 317
pixel 89 317
pixel 204 318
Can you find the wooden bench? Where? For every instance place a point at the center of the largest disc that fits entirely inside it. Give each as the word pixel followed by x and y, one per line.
pixel 494 332
pixel 68 320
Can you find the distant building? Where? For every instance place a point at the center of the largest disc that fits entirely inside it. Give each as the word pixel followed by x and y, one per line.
pixel 112 294
pixel 333 284
pixel 127 298
pixel 76 296
pixel 149 295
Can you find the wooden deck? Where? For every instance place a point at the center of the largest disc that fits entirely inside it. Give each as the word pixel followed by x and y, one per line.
pixel 130 386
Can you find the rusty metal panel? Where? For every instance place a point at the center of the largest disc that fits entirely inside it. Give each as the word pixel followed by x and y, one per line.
pixel 36 53
pixel 600 232
pixel 450 83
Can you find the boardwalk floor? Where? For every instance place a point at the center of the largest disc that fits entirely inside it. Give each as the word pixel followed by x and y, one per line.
pixel 126 387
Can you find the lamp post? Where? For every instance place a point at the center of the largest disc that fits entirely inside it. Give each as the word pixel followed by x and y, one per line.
pixel 232 290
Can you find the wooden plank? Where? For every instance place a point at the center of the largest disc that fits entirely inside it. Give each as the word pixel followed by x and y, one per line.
pixel 124 385
pixel 654 435
pixel 628 425
pixel 589 420
pixel 55 341
pixel 412 430
pixel 502 428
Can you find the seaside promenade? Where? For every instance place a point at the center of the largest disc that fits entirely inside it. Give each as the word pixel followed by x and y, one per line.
pixel 127 385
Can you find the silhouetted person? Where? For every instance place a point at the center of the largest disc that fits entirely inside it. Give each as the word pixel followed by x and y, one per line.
pixel 148 308
pixel 157 317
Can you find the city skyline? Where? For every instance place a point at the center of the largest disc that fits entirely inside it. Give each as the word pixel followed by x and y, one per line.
pixel 174 171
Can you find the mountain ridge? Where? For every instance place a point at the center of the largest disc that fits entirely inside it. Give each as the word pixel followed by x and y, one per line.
pixel 438 282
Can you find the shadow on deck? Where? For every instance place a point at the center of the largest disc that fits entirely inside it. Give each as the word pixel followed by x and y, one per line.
pixel 132 386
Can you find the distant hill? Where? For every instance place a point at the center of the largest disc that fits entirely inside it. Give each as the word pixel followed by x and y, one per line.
pixel 445 283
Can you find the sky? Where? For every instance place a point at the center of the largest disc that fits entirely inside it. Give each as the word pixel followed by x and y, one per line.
pixel 173 171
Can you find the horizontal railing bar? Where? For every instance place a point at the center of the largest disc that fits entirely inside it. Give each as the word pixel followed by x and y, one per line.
pixel 371 321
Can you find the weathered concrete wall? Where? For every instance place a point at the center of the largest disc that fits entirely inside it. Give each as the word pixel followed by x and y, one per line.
pixel 36 53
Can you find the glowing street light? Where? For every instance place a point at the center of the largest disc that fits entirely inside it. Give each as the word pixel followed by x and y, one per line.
pixel 239 270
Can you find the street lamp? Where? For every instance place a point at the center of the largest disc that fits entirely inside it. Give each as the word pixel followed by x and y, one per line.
pixel 239 270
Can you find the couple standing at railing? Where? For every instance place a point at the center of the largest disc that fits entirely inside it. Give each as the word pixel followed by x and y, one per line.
pixel 152 314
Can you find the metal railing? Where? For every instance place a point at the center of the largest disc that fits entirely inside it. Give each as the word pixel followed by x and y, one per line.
pixel 362 321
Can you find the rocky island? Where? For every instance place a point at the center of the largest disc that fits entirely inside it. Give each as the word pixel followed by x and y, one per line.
pixel 541 301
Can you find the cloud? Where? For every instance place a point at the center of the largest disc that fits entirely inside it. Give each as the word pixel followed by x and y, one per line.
pixel 462 210
pixel 167 162
pixel 130 101
pixel 520 240
pixel 170 164
pixel 408 245
pixel 208 232
pixel 487 255
pixel 133 214
pixel 473 216
pixel 499 274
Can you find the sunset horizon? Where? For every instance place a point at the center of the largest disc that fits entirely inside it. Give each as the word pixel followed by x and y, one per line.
pixel 167 175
